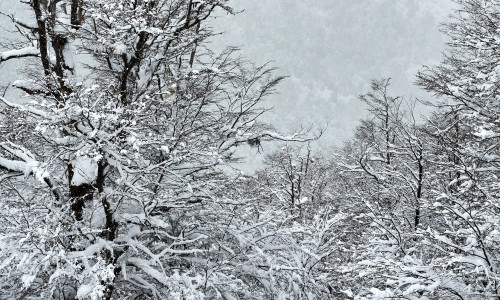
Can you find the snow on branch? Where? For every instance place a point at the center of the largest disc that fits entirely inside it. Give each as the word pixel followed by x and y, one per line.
pixel 24 108
pixel 28 165
pixel 19 53
pixel 92 249
pixel 13 165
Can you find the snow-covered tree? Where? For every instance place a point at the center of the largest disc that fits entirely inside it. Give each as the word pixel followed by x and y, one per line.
pixel 385 167
pixel 110 162
pixel 295 195
pixel 443 172
pixel 465 193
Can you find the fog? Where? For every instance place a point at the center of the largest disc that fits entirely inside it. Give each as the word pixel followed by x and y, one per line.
pixel 331 49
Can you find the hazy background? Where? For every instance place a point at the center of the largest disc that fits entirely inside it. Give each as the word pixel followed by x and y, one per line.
pixel 331 49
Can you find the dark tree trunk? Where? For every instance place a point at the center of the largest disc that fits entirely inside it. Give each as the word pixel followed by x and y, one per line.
pixel 78 194
pixel 419 188
pixel 42 36
pixel 76 14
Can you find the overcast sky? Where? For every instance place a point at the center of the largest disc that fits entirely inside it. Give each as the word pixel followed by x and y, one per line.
pixel 331 49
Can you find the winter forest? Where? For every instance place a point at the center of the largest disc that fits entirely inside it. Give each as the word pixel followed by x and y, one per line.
pixel 122 174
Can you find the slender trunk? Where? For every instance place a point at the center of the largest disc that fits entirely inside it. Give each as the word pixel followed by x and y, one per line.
pixel 193 53
pixel 387 135
pixel 129 65
pixel 419 188
pixel 42 37
pixel 75 14
pixel 110 230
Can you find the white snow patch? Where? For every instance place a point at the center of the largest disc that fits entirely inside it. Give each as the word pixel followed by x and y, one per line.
pixel 84 290
pixel 85 170
pixel 19 53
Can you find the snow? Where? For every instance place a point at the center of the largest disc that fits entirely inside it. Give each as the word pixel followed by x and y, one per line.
pixel 91 250
pixel 486 133
pixel 29 85
pixel 165 149
pixel 85 170
pixel 119 48
pixel 245 239
pixel 148 269
pixel 84 290
pixel 348 292
pixel 455 90
pixel 14 165
pixel 28 51
pixel 24 108
pixel 379 294
pixel 420 287
pixel 69 54
pixel 27 280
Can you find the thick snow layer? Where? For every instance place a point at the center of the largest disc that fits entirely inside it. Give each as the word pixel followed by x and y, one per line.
pixel 18 53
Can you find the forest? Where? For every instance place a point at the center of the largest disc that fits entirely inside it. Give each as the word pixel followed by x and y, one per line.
pixel 120 178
